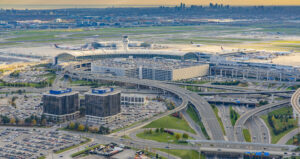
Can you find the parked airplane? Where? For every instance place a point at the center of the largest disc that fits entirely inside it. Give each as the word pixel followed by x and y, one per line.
pixel 83 47
pixel 284 52
pixel 198 45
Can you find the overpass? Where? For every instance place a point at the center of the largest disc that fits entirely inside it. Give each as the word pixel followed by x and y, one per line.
pixel 203 109
pixel 296 105
pixel 239 93
pixel 233 88
pixel 238 127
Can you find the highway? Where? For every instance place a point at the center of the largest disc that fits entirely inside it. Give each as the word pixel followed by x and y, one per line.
pixel 259 132
pixel 296 105
pixel 203 108
pixel 238 93
pixel 233 88
pixel 244 118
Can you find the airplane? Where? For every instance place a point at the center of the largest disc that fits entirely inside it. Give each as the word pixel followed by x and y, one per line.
pixel 284 52
pixel 83 47
pixel 198 45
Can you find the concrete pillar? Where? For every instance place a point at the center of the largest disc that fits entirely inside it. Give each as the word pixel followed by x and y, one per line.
pixel 221 72
pixel 243 74
pixel 280 76
pixel 272 98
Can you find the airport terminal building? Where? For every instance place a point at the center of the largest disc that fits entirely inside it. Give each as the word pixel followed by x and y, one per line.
pixel 102 105
pixel 153 69
pixel 61 105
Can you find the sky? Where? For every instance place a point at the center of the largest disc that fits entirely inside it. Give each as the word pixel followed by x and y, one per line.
pixel 147 2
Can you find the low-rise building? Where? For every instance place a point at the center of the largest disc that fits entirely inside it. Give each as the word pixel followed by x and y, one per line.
pixel 133 99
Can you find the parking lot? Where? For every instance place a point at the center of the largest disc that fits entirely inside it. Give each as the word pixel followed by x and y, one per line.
pixel 22 106
pixel 23 143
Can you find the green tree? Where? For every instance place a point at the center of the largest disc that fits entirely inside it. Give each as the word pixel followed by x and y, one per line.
pixel 185 136
pixel 162 130
pixel 157 130
pixel 177 136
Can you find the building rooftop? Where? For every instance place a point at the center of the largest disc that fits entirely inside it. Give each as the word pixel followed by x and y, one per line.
pixel 61 92
pixel 103 91
pixel 157 63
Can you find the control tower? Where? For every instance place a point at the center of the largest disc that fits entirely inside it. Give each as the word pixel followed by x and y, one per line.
pixel 125 42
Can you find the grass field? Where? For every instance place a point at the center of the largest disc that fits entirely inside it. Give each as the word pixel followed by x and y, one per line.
pixel 195 118
pixel 216 111
pixel 234 116
pixel 183 154
pixel 34 37
pixel 161 137
pixel 170 122
pixel 282 111
pixel 247 135
pixel 274 138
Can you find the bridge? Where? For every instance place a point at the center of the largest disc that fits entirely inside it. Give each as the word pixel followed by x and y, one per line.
pixel 296 105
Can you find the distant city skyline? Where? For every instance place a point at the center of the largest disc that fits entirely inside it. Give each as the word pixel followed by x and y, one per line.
pixel 124 3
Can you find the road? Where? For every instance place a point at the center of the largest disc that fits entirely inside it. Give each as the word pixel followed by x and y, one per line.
pixel 288 136
pixel 244 117
pixel 259 132
pixel 295 104
pixel 225 116
pixel 238 93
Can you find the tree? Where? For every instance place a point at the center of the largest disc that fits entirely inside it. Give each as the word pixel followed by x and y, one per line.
pixel 156 130
pixel 185 136
pixel 5 119
pixel 177 136
pixel 162 130
pixel 12 121
pixel 81 127
pixel 72 125
pixel 33 122
pixel 76 125
pixel 44 122
pixel 17 120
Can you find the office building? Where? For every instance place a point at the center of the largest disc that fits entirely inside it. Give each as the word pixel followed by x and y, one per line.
pixel 102 105
pixel 61 105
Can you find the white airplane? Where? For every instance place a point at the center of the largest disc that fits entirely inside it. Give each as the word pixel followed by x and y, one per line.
pixel 198 45
pixel 83 47
pixel 284 52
